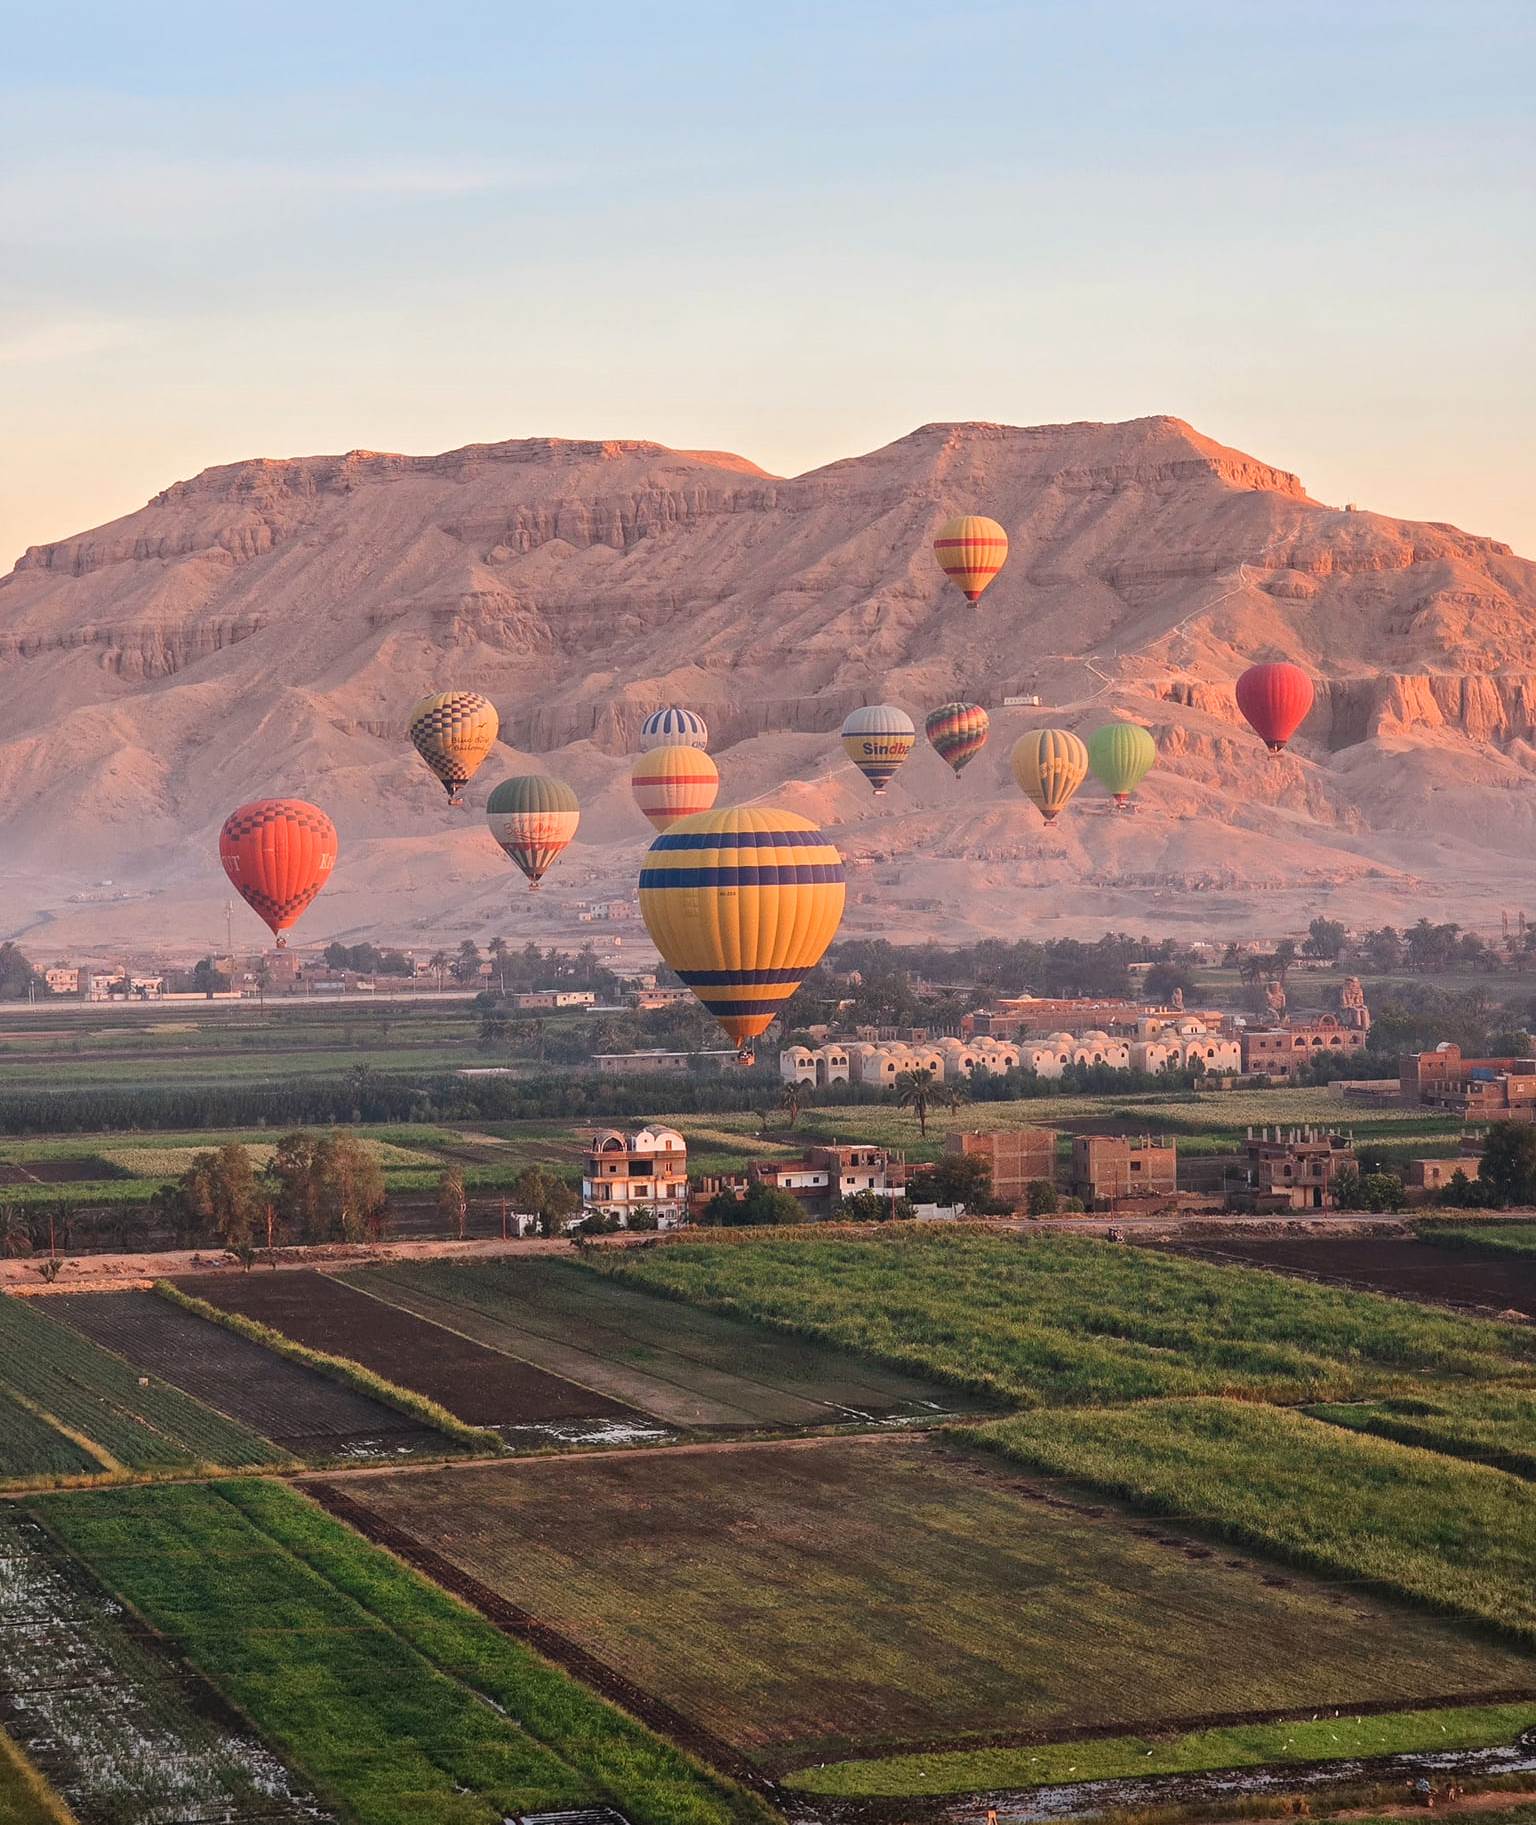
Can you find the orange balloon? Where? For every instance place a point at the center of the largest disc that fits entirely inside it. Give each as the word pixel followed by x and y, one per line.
pixel 279 852
pixel 971 551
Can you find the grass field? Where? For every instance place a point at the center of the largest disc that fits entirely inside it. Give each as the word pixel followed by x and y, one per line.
pixel 124 1732
pixel 812 1601
pixel 170 1162
pixel 1492 1425
pixel 94 1398
pixel 1057 1319
pixel 1457 1536
pixel 397 1704
pixel 1481 1238
pixel 1322 1739
pixel 680 1365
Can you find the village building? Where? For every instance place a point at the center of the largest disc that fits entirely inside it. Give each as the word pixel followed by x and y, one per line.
pixel 649 1000
pixel 661 1059
pixel 1016 1158
pixel 62 979
pixel 647 1170
pixel 1425 1178
pixel 1478 1089
pixel 1110 1168
pixel 818 1178
pixel 1031 1016
pixel 532 1001
pixel 1285 1051
pixel 1296 1169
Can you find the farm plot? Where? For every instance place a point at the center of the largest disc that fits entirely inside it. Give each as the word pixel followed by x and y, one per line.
pixel 125 1732
pixel 96 1398
pixel 808 1600
pixel 1492 1282
pixel 303 1411
pixel 478 1385
pixel 684 1366
pixel 170 1162
pixel 1491 1425
pixel 32 1451
pixel 1058 1319
pixel 398 1704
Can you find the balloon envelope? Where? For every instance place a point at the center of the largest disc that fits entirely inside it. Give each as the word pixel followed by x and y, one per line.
pixel 958 732
pixel 971 551
pixel 1121 755
pixel 877 739
pixel 742 904
pixel 674 782
pixel 684 728
pixel 1275 699
pixel 533 817
pixel 453 732
pixel 279 852
pixel 1050 765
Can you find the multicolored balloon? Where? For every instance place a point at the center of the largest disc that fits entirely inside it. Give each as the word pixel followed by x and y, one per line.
pixel 1121 755
pixel 1275 699
pixel 279 853
pixel 453 732
pixel 682 728
pixel 971 551
pixel 533 817
pixel 877 739
pixel 674 782
pixel 958 732
pixel 1050 765
pixel 743 904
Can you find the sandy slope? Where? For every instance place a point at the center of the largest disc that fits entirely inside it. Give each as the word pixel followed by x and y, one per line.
pixel 265 626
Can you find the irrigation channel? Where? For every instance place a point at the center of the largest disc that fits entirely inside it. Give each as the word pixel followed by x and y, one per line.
pixel 1084 1799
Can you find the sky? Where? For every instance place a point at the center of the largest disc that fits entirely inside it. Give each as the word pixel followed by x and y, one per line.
pixel 794 230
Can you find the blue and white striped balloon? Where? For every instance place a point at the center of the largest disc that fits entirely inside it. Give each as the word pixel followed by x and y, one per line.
pixel 679 728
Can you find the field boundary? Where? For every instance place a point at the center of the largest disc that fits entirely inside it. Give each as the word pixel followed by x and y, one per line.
pixel 523 1626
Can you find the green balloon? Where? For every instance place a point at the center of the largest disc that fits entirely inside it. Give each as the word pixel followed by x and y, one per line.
pixel 1121 754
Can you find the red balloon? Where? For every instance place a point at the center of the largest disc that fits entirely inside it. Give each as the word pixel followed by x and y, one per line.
pixel 1275 699
pixel 279 853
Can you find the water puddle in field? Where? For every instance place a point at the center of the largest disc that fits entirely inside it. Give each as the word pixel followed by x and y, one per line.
pixel 125 1731
pixel 1085 1799
pixel 596 1434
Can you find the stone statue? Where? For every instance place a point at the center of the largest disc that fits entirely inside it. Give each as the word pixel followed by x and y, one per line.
pixel 1352 1008
pixel 1176 1001
pixel 1274 998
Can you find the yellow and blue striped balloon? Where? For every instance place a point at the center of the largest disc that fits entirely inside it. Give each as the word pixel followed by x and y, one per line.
pixel 877 739
pixel 742 904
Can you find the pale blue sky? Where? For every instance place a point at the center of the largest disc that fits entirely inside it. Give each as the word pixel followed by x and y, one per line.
pixel 791 230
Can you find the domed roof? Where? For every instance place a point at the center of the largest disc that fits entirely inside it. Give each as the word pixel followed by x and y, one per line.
pixel 1093 1037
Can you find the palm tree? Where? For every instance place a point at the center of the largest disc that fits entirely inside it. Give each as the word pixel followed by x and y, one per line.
pixel 791 1101
pixel 954 1097
pixel 915 1091
pixel 438 964
pixel 498 949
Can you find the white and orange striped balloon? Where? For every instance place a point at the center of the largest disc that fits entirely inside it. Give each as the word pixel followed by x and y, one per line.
pixel 674 782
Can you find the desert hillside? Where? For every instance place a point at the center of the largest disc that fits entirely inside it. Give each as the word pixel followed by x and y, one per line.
pixel 264 628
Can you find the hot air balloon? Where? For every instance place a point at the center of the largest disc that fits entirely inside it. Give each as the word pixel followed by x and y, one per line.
pixel 1050 765
pixel 1275 699
pixel 683 728
pixel 742 904
pixel 958 732
pixel 453 732
pixel 971 551
pixel 877 740
pixel 674 782
pixel 533 817
pixel 279 852
pixel 1121 755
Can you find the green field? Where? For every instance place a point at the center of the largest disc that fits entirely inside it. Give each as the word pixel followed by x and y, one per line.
pixel 1056 1319
pixel 1321 1739
pixel 811 1601
pixel 681 1365
pixel 397 1704
pixel 1456 1536
pixel 92 1401
pixel 1481 1238
pixel 1493 1425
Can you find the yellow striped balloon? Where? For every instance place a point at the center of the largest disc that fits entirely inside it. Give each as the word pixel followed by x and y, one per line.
pixel 533 817
pixel 453 732
pixel 971 551
pixel 675 782
pixel 742 904
pixel 1050 765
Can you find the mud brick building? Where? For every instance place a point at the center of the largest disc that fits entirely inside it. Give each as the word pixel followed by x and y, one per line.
pixel 1017 1157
